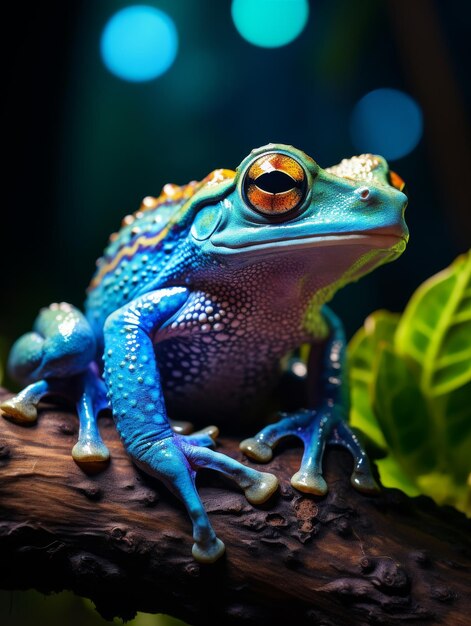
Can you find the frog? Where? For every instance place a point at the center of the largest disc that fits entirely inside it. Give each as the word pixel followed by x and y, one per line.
pixel 197 312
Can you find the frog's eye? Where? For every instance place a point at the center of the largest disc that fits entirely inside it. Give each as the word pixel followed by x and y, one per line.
pixel 275 184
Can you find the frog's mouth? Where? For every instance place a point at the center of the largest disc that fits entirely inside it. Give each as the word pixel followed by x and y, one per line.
pixel 382 238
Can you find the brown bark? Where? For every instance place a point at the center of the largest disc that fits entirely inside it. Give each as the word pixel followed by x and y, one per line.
pixel 119 538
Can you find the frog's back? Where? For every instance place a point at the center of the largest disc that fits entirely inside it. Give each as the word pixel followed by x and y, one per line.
pixel 138 253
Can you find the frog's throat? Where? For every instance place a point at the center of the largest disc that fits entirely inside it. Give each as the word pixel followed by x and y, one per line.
pixel 313 322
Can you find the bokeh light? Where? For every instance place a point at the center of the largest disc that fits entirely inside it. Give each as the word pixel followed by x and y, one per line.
pixel 270 23
pixel 139 43
pixel 387 122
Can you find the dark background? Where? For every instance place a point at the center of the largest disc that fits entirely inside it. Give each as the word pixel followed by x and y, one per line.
pixel 82 147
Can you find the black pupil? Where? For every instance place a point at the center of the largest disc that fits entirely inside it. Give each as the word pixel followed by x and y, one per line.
pixel 275 182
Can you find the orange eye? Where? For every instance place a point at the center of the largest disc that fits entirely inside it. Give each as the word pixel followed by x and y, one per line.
pixel 396 181
pixel 275 184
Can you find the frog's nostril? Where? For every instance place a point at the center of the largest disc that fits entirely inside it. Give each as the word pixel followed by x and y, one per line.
pixel 364 193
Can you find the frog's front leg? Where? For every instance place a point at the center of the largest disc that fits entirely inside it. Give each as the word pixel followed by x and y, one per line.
pixel 135 392
pixel 320 426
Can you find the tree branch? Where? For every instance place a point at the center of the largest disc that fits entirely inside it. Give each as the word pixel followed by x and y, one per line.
pixel 119 538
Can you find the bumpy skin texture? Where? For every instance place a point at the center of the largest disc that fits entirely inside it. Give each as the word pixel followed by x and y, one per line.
pixel 193 307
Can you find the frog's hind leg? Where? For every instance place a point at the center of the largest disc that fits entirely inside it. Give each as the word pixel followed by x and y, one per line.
pixel 362 477
pixel 61 345
pixel 91 399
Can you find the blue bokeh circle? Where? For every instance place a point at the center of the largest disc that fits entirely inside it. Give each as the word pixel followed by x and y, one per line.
pixel 387 122
pixel 139 43
pixel 270 23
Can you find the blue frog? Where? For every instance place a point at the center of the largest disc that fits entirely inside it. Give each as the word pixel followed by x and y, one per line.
pixel 191 313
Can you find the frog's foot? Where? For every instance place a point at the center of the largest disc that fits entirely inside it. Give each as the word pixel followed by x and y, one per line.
pixel 257 487
pixel 362 477
pixel 175 460
pixel 23 408
pixel 313 428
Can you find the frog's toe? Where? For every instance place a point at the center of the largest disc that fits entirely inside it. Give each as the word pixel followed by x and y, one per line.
pixel 22 408
pixel 257 450
pixel 90 452
pixel 181 427
pixel 19 410
pixel 263 487
pixel 208 552
pixel 364 482
pixel 257 486
pixel 260 447
pixel 205 437
pixel 309 482
pixel 362 477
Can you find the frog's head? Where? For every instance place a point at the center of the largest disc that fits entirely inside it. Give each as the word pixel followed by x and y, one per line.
pixel 281 202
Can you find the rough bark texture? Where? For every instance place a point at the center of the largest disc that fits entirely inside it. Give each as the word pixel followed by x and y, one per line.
pixel 119 538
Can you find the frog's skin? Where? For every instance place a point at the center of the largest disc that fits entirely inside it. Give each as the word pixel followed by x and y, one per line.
pixel 195 303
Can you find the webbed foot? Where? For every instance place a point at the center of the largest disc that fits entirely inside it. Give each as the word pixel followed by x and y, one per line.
pixel 315 429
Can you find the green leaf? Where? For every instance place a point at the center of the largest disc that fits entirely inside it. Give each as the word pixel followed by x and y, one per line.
pixel 453 412
pixel 444 490
pixel 378 330
pixel 435 330
pixel 392 475
pixel 403 415
pixel 411 383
